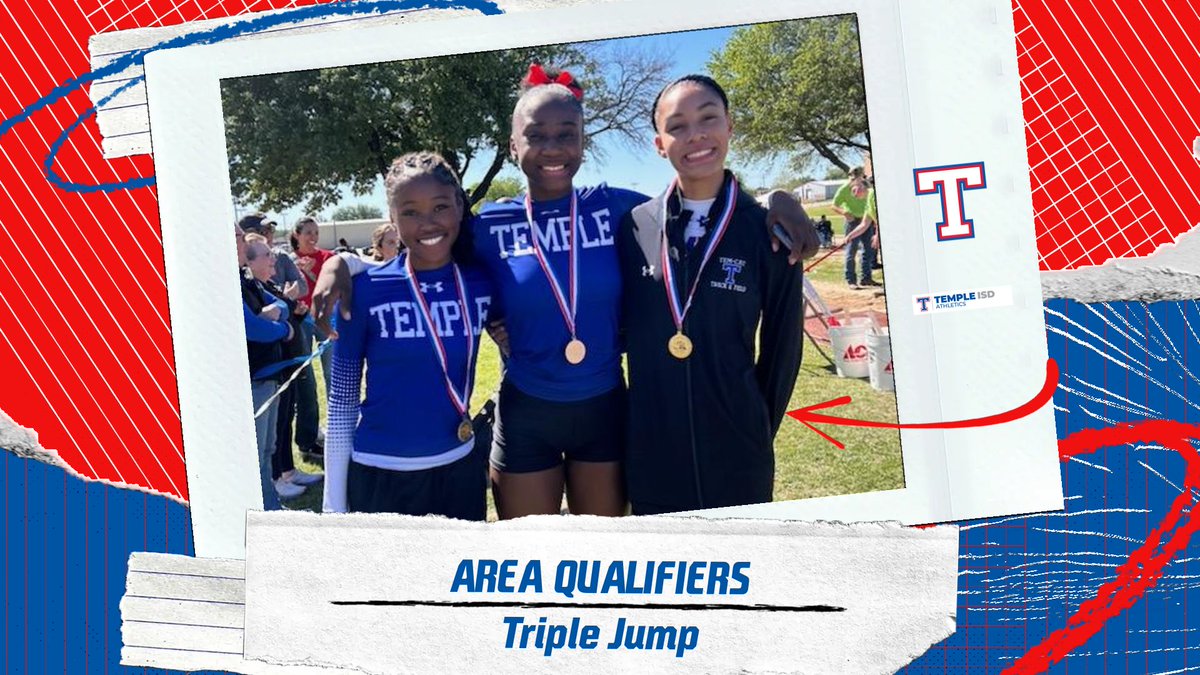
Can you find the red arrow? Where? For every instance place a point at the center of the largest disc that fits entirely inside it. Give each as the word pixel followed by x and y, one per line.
pixel 807 415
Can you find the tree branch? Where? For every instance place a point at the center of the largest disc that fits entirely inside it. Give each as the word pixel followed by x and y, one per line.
pixel 481 189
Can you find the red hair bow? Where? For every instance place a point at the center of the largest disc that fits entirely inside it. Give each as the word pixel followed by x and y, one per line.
pixel 537 76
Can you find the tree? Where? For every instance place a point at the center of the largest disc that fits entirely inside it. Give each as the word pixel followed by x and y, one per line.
pixel 796 89
pixel 501 187
pixel 301 136
pixel 620 84
pixel 836 173
pixel 357 212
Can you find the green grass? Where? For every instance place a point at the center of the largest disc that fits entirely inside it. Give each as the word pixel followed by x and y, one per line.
pixel 806 464
pixel 817 209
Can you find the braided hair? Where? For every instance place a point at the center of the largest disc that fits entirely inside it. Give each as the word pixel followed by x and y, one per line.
pixel 412 165
pixel 417 164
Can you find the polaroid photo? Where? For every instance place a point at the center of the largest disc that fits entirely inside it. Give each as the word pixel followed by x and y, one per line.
pixel 905 116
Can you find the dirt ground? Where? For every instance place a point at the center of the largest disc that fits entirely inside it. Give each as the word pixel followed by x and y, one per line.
pixel 827 277
pixel 839 297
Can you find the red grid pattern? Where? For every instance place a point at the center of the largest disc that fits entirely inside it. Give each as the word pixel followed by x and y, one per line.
pixel 1109 95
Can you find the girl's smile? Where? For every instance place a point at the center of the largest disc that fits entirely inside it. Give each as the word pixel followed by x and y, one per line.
pixel 693 133
pixel 547 142
pixel 428 214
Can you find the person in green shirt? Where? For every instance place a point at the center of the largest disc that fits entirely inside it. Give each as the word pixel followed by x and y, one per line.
pixel 871 218
pixel 850 202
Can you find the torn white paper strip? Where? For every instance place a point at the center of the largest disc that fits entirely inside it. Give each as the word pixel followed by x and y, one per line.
pixel 1171 273
pixel 23 442
pixel 184 613
pixel 124 122
pixel 384 594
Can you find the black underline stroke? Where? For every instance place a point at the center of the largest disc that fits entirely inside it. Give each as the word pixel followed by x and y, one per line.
pixel 688 607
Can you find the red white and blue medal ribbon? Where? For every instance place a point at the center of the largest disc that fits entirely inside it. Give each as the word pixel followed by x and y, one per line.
pixel 461 401
pixel 567 306
pixel 680 346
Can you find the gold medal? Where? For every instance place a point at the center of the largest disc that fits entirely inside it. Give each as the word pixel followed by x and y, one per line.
pixel 575 351
pixel 680 346
pixel 465 430
pixel 461 401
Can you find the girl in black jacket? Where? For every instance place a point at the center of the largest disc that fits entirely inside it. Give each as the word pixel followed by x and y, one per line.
pixel 700 279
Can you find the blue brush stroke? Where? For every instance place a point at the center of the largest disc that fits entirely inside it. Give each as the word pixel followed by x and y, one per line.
pixel 211 36
pixel 1035 575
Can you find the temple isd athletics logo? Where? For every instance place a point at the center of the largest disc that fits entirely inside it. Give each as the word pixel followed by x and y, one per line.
pixel 953 301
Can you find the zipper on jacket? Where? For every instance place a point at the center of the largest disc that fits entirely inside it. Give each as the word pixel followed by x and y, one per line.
pixel 692 435
pixel 687 369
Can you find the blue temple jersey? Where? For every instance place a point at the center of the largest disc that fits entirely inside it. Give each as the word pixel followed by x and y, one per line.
pixel 537 332
pixel 406 410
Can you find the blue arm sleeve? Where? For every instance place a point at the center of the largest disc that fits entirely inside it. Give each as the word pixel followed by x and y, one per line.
pixel 259 329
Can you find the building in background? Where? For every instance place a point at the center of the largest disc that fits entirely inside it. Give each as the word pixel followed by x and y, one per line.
pixel 819 190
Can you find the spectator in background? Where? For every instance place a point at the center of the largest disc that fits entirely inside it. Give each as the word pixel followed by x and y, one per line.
pixel 385 242
pixel 288 279
pixel 850 201
pixel 824 231
pixel 286 271
pixel 872 212
pixel 310 259
pixel 267 329
pixel 289 481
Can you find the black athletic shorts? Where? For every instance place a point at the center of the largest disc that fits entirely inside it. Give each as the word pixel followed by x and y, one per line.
pixel 533 434
pixel 456 490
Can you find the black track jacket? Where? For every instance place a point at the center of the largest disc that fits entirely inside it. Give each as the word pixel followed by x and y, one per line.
pixel 701 430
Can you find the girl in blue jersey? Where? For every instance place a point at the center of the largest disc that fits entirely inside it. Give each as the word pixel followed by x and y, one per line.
pixel 560 418
pixel 552 256
pixel 415 321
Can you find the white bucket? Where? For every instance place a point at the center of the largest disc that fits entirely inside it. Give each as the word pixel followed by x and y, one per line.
pixel 879 361
pixel 850 349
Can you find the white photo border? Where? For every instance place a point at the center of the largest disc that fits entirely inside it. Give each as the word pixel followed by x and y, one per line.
pixel 945 471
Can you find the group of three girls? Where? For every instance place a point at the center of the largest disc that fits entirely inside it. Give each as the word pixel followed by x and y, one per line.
pixel 576 276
